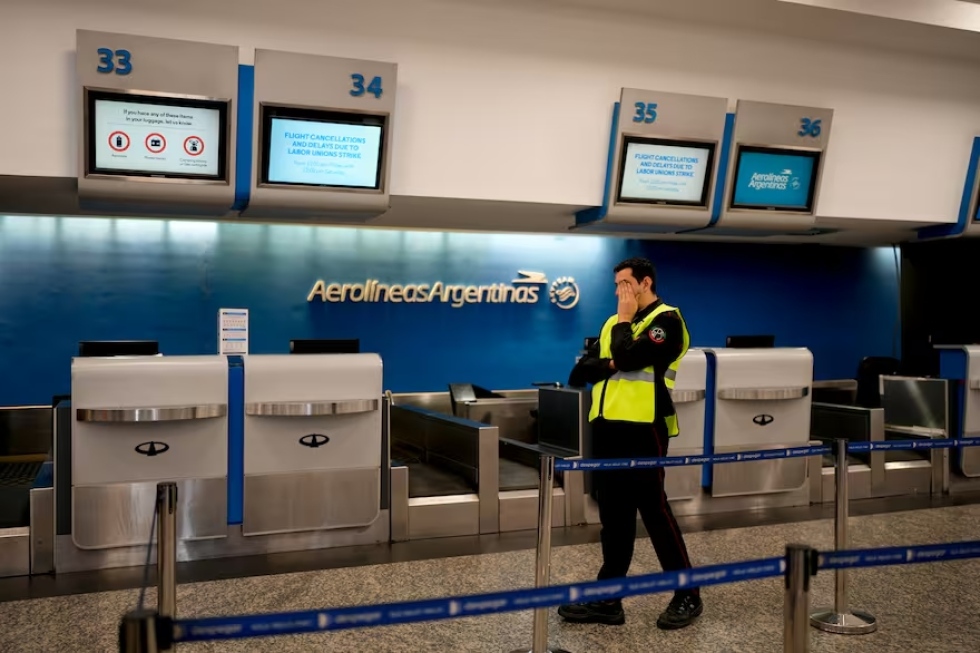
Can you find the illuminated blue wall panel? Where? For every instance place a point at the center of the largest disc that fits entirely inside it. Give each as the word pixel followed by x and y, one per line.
pixel 68 279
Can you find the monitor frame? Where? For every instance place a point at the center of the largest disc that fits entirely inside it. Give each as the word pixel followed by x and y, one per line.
pixel 269 111
pixel 812 153
pixel 693 143
pixel 92 95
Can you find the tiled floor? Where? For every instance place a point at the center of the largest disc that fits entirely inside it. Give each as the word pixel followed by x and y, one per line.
pixel 922 608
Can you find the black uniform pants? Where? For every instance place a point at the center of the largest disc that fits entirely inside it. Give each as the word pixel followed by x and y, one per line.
pixel 621 493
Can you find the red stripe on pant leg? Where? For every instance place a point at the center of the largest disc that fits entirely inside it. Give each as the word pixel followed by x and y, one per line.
pixel 674 528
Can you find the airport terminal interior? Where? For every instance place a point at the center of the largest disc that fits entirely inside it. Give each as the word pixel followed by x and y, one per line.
pixel 291 292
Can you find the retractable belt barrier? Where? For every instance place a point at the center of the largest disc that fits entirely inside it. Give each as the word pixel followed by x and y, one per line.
pixel 594 464
pixel 369 616
pixel 144 631
pixel 196 630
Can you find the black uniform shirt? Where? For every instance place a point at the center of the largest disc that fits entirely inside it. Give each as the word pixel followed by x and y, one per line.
pixel 657 347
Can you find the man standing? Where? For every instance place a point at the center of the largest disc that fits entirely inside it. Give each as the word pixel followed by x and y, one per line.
pixel 632 367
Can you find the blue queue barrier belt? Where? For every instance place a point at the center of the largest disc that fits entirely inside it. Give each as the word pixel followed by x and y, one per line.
pixel 369 616
pixel 898 555
pixel 565 465
pixel 390 614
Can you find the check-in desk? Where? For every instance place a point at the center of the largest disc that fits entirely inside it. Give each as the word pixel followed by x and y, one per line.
pixel 312 443
pixel 444 475
pixel 915 408
pixel 562 417
pixel 865 471
pixel 689 398
pixel 960 365
pixel 762 401
pixel 139 421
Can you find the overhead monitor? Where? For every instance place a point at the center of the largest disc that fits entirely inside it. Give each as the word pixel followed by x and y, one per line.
pixel 665 172
pixel 305 147
pixel 156 136
pixel 775 179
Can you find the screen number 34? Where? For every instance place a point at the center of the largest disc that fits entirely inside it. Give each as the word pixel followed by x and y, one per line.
pixel 358 89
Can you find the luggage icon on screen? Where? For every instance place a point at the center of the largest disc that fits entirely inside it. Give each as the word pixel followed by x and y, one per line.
pixel 119 141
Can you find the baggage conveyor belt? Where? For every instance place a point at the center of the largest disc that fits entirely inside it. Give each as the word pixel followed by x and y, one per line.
pixel 426 480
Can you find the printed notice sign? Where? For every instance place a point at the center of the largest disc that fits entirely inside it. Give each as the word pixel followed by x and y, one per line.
pixel 233 331
pixel 156 138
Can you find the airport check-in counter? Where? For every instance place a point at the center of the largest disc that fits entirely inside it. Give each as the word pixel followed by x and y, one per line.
pixel 911 408
pixel 688 395
pixel 916 408
pixel 962 364
pixel 26 495
pixel 517 417
pixel 761 401
pixel 312 443
pixel 969 457
pixel 444 474
pixel 865 471
pixel 139 421
pixel 459 474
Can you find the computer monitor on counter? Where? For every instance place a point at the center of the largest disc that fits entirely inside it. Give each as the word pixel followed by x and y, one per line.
pixel 337 346
pixel 750 342
pixel 107 348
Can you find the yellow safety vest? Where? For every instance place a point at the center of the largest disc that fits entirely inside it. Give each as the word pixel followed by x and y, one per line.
pixel 631 396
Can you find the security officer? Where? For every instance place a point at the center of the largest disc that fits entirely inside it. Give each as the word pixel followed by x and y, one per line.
pixel 632 367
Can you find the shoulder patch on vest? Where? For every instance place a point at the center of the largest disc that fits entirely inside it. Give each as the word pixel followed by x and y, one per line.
pixel 657 334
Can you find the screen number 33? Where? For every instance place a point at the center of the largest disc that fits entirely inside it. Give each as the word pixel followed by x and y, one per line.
pixel 117 61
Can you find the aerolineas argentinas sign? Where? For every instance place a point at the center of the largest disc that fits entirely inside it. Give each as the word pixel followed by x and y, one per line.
pixel 528 288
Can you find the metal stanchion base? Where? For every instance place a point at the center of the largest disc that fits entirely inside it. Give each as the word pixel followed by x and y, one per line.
pixel 849 623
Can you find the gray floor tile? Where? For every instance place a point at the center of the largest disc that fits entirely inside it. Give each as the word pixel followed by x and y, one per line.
pixel 922 608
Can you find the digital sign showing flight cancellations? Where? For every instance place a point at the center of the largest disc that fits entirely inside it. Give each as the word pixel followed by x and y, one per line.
pixel 659 171
pixel 154 137
pixel 322 152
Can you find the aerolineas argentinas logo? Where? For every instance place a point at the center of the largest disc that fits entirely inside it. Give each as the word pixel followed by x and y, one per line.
pixel 774 181
pixel 528 288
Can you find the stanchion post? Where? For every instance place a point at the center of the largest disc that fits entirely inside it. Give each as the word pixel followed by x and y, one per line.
pixel 167 549
pixel 796 606
pixel 841 620
pixel 138 632
pixel 542 563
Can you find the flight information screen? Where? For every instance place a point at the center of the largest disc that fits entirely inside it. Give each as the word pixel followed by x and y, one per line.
pixel 660 171
pixel 323 149
pixel 156 137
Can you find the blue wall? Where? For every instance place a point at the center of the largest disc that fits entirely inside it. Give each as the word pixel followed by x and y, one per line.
pixel 67 279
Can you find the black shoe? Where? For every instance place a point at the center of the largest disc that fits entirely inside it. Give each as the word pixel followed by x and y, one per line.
pixel 609 613
pixel 681 612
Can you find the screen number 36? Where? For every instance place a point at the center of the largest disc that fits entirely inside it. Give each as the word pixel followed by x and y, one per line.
pixel 117 61
pixel 809 127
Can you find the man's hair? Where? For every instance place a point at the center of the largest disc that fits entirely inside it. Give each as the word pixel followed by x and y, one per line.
pixel 641 269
